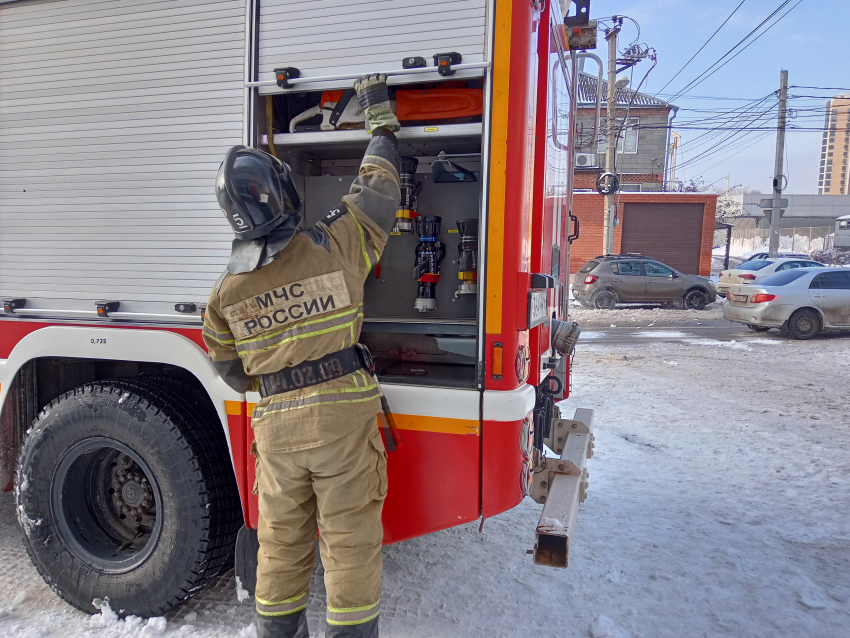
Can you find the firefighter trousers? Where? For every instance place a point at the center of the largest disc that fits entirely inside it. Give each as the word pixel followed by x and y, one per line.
pixel 338 488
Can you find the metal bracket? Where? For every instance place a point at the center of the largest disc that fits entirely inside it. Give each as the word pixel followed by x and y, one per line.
pixel 583 37
pixel 582 14
pixel 561 485
pixel 557 439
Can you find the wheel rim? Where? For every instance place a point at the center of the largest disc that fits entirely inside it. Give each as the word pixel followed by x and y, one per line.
pixel 605 301
pixel 693 301
pixel 805 325
pixel 107 505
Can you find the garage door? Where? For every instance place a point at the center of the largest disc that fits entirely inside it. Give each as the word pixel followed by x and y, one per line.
pixel 671 233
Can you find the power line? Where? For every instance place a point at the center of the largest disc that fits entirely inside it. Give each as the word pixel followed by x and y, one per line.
pixel 753 41
pixel 729 17
pixel 714 66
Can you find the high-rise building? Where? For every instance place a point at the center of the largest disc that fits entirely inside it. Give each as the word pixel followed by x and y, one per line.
pixel 834 166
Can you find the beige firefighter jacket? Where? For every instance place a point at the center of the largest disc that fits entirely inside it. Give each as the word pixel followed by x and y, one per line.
pixel 307 304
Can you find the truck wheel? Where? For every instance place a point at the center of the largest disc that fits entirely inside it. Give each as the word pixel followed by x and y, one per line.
pixel 804 324
pixel 125 490
pixel 605 300
pixel 695 300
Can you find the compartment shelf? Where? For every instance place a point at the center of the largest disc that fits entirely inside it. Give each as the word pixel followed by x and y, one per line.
pixel 412 140
pixel 421 326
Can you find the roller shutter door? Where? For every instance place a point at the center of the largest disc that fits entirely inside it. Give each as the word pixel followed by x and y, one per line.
pixel 333 37
pixel 114 118
pixel 671 233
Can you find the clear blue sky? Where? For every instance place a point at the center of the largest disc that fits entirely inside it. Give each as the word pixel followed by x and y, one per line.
pixel 812 42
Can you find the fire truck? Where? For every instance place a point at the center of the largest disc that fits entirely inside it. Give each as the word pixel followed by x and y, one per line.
pixel 128 456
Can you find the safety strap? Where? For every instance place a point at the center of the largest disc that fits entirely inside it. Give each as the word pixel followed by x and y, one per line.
pixel 332 366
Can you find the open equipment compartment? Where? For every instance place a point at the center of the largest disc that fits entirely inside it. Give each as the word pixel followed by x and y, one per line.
pixel 435 347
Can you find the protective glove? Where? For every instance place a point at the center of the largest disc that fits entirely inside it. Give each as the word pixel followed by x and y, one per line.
pixel 374 99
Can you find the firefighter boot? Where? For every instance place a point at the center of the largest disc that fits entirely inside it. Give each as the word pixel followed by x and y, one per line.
pixel 290 626
pixel 364 630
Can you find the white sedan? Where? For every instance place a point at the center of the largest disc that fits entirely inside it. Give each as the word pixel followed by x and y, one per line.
pixel 756 270
pixel 802 302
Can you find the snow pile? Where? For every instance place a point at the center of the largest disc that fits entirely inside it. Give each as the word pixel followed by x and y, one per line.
pixel 130 625
pixel 832 256
pixel 241 593
pixel 552 523
pixel 604 627
pixel 644 314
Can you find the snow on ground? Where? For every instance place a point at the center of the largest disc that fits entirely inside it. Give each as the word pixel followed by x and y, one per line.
pixel 644 315
pixel 719 505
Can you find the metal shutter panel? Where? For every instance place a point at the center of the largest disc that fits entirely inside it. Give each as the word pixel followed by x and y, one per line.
pixel 670 233
pixel 350 36
pixel 114 118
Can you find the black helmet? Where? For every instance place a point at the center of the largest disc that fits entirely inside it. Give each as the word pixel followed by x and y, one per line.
pixel 255 191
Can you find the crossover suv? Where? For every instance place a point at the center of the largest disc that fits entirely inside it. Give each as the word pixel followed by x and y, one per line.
pixel 605 281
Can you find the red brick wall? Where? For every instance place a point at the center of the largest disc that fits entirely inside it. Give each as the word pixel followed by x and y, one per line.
pixel 589 207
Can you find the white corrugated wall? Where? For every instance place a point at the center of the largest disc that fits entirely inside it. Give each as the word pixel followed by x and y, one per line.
pixel 114 118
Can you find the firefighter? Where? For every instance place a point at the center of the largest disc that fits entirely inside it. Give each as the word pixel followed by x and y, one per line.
pixel 284 320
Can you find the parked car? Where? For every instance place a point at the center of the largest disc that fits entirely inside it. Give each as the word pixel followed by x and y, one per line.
pixel 757 270
pixel 801 302
pixel 778 256
pixel 605 281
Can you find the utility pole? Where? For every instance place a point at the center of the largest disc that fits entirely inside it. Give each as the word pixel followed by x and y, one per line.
pixel 611 151
pixel 777 173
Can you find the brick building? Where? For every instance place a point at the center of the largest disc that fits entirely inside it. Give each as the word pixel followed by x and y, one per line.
pixel 675 228
pixel 642 141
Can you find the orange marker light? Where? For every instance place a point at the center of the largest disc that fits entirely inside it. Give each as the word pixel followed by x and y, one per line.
pixel 498 360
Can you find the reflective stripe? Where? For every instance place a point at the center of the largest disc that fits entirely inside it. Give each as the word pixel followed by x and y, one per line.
pixel 353 615
pixel 219 337
pixel 282 608
pixel 340 395
pixel 380 162
pixel 369 264
pixel 304 330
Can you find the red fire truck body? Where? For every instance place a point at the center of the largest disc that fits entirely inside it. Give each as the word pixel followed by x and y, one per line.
pixel 470 446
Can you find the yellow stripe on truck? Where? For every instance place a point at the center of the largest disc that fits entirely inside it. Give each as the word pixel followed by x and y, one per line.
pixel 441 425
pixel 498 167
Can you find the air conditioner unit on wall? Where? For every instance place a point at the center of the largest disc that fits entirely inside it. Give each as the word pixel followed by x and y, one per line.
pixel 585 160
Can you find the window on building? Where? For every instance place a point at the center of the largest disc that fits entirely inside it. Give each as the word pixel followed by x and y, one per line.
pixel 627 138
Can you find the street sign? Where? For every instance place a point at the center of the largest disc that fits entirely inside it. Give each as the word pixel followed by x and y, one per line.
pixel 769 211
pixel 768 203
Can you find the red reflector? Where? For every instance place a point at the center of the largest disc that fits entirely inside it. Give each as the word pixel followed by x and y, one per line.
pixel 590 279
pixel 761 298
pixel 747 277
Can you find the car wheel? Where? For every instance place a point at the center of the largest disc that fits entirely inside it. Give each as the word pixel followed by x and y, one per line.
pixel 605 300
pixel 695 300
pixel 756 328
pixel 804 324
pixel 126 491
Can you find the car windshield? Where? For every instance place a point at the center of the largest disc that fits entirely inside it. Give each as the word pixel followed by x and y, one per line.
pixel 589 266
pixel 756 264
pixel 782 278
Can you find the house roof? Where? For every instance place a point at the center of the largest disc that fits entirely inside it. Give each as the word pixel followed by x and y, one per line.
pixel 587 94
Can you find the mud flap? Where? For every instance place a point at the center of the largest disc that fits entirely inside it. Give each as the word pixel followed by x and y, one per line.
pixel 247 546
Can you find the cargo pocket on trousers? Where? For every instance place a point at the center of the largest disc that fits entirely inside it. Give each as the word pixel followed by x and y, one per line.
pixel 256 455
pixel 378 475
